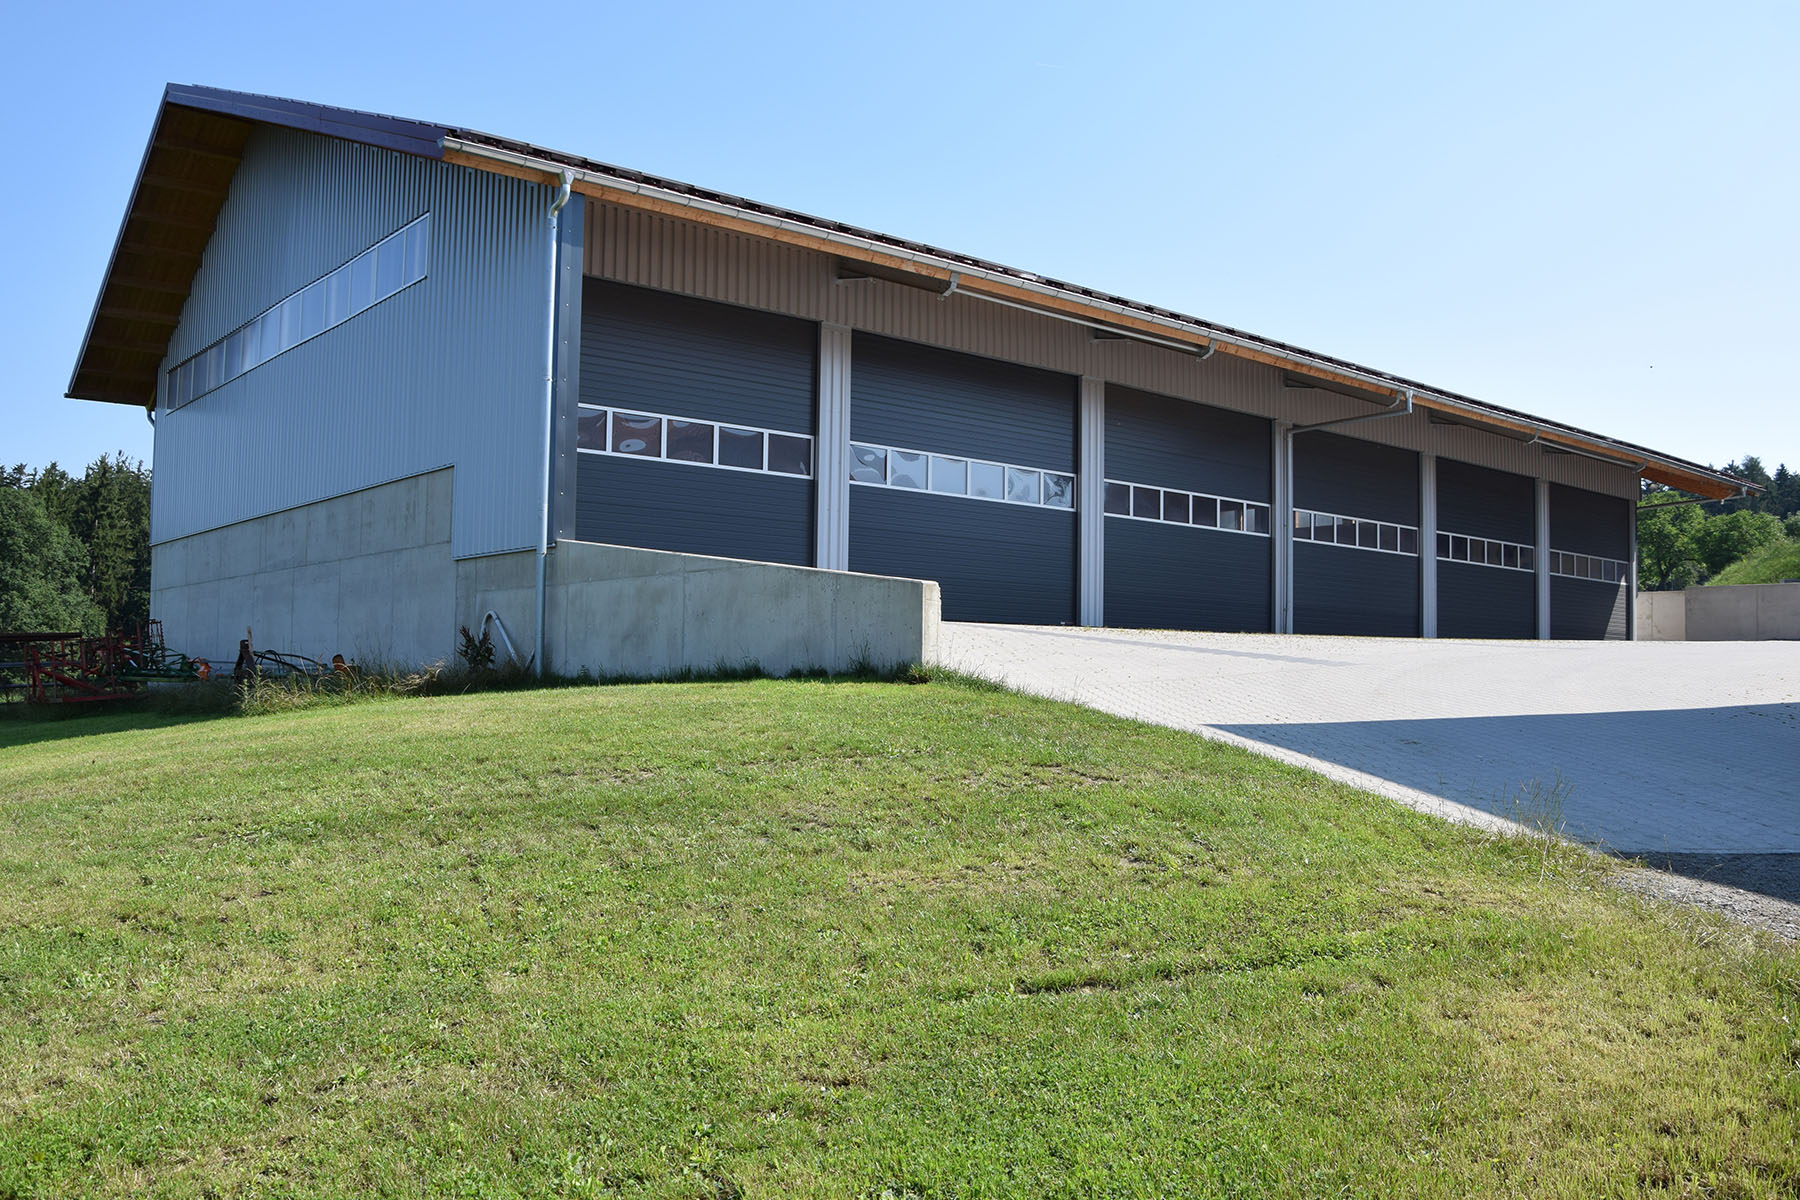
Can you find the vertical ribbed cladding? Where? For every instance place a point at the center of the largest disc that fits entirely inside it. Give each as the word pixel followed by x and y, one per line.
pixel 447 372
pixel 664 252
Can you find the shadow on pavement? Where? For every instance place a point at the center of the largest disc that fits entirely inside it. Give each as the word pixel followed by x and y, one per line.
pixel 1711 793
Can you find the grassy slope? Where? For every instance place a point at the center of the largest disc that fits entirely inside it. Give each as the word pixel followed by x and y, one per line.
pixel 1771 564
pixel 832 939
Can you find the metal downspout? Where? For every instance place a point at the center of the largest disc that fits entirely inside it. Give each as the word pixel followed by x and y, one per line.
pixel 1402 406
pixel 543 550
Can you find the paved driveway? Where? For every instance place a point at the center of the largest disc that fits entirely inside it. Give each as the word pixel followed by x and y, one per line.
pixel 1666 749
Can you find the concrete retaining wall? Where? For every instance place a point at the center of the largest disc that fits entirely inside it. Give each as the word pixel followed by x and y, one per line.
pixel 367 575
pixel 1746 613
pixel 617 610
pixel 1662 616
pixel 370 576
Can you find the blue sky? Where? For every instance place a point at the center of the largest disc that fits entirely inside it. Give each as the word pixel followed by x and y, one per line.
pixel 1587 211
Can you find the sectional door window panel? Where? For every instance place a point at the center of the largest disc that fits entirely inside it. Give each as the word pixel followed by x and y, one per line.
pixel 1590 564
pixel 696 428
pixel 962 470
pixel 1356 546
pixel 1486 552
pixel 1188 516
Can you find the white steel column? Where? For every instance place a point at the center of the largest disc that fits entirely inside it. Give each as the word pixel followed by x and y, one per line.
pixel 1428 568
pixel 831 485
pixel 1541 560
pixel 1090 502
pixel 1282 509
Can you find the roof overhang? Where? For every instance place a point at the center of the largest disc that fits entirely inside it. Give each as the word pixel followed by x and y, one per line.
pixel 199 138
pixel 194 150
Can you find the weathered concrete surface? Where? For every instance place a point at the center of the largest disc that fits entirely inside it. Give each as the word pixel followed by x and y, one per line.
pixel 367 575
pixel 1745 613
pixel 618 610
pixel 1658 748
pixel 1662 616
pixel 1760 612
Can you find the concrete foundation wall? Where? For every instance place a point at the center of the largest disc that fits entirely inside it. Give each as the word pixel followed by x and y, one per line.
pixel 368 575
pixel 1761 612
pixel 617 610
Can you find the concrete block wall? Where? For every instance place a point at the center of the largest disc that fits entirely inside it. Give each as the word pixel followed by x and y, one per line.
pixel 618 610
pixel 1742 613
pixel 368 575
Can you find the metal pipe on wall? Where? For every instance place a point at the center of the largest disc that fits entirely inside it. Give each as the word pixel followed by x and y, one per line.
pixel 543 549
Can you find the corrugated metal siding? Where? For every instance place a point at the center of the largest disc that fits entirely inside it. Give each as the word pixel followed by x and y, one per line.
pixel 1355 478
pixel 994 562
pixel 1478 601
pixel 692 358
pixel 676 255
pixel 448 372
pixel 694 510
pixel 1338 589
pixel 671 354
pixel 1481 502
pixel 1485 602
pixel 1176 444
pixel 1174 577
pixel 1586 523
pixel 924 398
pixel 1587 610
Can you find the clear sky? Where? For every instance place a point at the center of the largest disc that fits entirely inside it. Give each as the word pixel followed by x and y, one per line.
pixel 1590 211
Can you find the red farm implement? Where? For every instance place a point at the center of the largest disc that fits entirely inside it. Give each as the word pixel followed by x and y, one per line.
pixel 67 668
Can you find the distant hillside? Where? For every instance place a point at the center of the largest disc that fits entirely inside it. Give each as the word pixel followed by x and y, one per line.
pixel 1770 564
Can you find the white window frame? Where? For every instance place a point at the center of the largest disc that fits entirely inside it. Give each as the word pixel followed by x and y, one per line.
pixel 279 327
pixel 662 445
pixel 1567 564
pixel 1523 549
pixel 1377 548
pixel 1163 508
pixel 968 464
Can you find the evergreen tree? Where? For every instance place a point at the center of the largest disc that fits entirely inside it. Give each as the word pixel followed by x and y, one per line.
pixel 40 571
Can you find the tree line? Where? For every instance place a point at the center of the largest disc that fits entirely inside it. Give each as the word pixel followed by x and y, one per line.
pixel 75 550
pixel 1683 544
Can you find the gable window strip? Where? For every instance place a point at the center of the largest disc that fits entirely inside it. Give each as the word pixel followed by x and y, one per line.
pixel 384 270
pixel 1589 566
pixel 1357 533
pixel 952 475
pixel 633 433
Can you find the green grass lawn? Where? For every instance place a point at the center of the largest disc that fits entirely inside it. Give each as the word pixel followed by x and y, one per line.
pixel 831 939
pixel 1771 564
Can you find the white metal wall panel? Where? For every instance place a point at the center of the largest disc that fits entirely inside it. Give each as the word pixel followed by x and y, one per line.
pixel 448 372
pixel 675 255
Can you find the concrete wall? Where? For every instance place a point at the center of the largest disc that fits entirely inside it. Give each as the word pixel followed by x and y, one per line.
pixel 1746 613
pixel 1662 616
pixel 368 575
pixel 617 610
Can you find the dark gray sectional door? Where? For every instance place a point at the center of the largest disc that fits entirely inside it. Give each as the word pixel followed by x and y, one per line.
pixel 1477 596
pixel 1588 525
pixel 1164 574
pixel 995 561
pixel 652 352
pixel 1347 589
